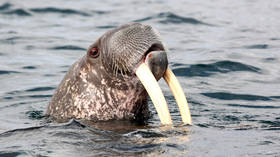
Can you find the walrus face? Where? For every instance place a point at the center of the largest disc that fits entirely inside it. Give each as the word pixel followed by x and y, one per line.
pixel 123 49
pixel 115 77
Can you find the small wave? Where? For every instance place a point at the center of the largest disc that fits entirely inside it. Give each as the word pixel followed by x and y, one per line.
pixel 48 75
pixel 168 17
pixel 259 46
pixel 27 96
pixel 68 47
pixel 13 38
pixel 5 6
pixel 106 27
pixel 270 125
pixel 99 12
pixel 206 70
pixel 176 19
pixel 275 97
pixel 36 89
pixel 39 96
pixel 273 128
pixel 64 66
pixel 39 89
pixel 274 39
pixel 270 59
pixel 14 105
pixel 18 12
pixel 146 134
pixel 226 119
pixel 35 115
pixel 70 135
pixel 58 10
pixel 4 72
pixel 130 149
pixel 204 125
pixel 29 67
pixel 7 97
pixel 232 96
pixel 231 118
pixel 254 106
pixel 70 124
pixel 10 154
pixel 34 96
pixel 173 64
pixel 144 19
pixel 29 47
pixel 20 130
pixel 266 143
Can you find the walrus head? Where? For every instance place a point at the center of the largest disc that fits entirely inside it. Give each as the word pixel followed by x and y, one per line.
pixel 115 77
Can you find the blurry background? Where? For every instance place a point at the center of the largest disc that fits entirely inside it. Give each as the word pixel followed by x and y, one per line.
pixel 225 54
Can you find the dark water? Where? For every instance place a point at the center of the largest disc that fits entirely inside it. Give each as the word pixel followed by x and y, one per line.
pixel 225 53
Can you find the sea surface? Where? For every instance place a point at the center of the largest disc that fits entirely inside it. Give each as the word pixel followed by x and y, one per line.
pixel 226 55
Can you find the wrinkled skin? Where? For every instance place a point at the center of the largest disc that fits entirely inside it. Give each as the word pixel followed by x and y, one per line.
pixel 105 87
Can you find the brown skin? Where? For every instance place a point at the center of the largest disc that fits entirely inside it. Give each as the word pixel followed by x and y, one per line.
pixel 102 85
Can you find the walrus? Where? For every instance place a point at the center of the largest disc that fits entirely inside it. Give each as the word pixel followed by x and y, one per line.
pixel 113 79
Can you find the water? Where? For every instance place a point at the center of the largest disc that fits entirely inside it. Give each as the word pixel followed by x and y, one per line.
pixel 224 53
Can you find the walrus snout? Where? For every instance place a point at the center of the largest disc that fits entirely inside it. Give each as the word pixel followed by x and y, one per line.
pixel 157 62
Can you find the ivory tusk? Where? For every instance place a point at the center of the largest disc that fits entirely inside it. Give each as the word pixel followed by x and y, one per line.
pixel 179 95
pixel 148 80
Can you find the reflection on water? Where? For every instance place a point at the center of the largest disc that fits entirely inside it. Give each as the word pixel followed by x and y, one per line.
pixel 225 54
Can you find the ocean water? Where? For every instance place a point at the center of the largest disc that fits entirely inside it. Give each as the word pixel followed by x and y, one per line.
pixel 226 54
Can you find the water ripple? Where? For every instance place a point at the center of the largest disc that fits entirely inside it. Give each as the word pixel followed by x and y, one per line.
pixel 10 154
pixel 68 47
pixel 206 70
pixel 76 133
pixel 146 134
pixel 232 96
pixel 37 89
pixel 18 12
pixel 99 12
pixel 3 72
pixel 176 19
pixel 106 27
pixel 36 96
pixel 58 10
pixel 258 46
pixel 255 106
pixel 14 38
pixel 28 96
pixel 35 115
pixel 274 39
pixel 168 17
pixel 5 6
pixel 29 67
pixel 270 125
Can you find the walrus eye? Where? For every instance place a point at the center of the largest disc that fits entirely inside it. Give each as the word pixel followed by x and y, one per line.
pixel 94 52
